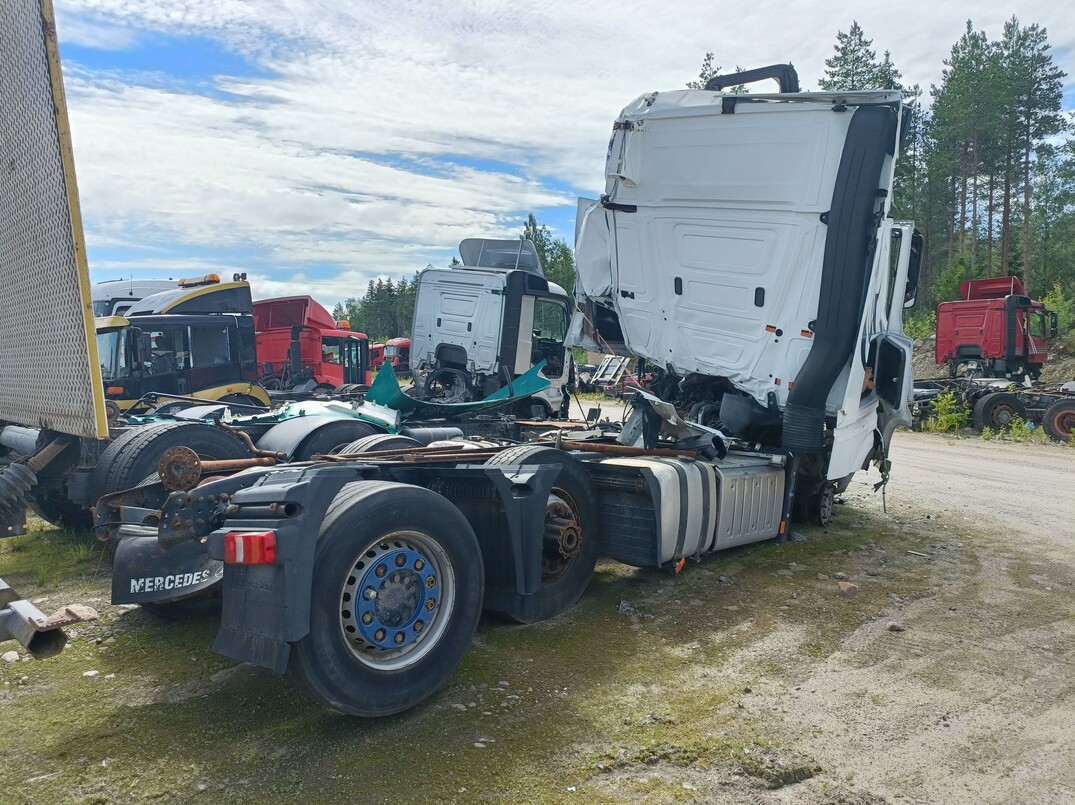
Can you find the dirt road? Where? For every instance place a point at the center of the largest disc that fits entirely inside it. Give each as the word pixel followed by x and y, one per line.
pixel 975 701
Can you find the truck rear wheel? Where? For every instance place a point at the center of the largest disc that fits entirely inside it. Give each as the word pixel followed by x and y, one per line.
pixel 397 601
pixel 997 410
pixel 1059 420
pixel 56 509
pixel 572 525
pixel 135 455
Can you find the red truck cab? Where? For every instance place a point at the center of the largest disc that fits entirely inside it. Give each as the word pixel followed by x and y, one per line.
pixel 376 356
pixel 326 351
pixel 993 330
pixel 397 351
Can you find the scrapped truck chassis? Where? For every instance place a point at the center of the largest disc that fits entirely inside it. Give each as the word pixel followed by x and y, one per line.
pixel 996 404
pixel 530 521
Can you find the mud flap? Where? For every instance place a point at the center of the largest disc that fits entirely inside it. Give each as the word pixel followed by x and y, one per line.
pixel 144 573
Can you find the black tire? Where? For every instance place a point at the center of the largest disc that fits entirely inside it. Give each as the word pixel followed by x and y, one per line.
pixel 816 508
pixel 448 386
pixel 564 578
pixel 135 455
pixel 339 663
pixel 997 410
pixel 332 437
pixel 1059 420
pixel 378 442
pixel 54 508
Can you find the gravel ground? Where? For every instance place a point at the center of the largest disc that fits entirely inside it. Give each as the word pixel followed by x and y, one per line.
pixel 974 700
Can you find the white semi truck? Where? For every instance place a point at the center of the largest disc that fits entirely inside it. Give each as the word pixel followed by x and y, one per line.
pixel 743 247
pixel 479 325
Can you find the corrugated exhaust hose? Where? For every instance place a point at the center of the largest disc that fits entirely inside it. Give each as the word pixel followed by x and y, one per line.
pixel 847 260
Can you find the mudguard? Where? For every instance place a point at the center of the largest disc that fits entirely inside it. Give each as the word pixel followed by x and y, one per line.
pixel 267 607
pixel 287 436
pixel 143 572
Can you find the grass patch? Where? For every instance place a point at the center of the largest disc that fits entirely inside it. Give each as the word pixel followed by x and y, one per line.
pixel 49 556
pixel 644 675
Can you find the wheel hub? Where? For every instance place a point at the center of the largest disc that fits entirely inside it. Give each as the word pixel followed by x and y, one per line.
pixel 1002 416
pixel 561 528
pixel 179 469
pixel 562 538
pixel 398 598
pixel 391 598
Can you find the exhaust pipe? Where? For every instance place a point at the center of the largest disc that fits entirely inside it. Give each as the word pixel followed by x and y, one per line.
pixel 849 249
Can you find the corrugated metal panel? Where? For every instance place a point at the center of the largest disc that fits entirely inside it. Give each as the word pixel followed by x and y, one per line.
pixel 751 498
pixel 49 370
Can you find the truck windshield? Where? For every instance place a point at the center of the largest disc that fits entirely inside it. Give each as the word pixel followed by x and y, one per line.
pixel 111 353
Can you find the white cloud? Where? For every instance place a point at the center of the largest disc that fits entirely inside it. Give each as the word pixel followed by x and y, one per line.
pixel 358 148
pixel 87 33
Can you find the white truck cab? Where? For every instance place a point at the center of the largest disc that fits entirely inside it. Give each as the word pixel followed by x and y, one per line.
pixel 479 325
pixel 743 247
pixel 116 297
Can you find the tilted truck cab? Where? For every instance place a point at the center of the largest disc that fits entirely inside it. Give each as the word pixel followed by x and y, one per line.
pixel 300 343
pixel 743 247
pixel 480 325
pixel 397 351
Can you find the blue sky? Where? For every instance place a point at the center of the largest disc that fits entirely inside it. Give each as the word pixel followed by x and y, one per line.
pixel 316 145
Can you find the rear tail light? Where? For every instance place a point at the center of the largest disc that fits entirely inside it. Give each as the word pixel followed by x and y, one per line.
pixel 250 547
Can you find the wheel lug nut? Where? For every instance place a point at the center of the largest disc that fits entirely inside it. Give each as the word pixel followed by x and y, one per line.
pixel 379 635
pixel 419 626
pixel 419 564
pixel 399 637
pixel 431 605
pixel 431 582
pixel 401 560
pixel 367 618
pixel 370 594
pixel 381 570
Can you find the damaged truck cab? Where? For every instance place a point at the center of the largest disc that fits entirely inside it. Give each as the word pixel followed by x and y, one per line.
pixel 483 323
pixel 744 248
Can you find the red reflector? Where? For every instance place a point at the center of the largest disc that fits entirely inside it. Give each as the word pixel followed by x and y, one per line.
pixel 250 547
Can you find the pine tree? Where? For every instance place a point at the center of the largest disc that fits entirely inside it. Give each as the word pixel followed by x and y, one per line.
pixel 706 73
pixel 1036 94
pixel 557 257
pixel 854 64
